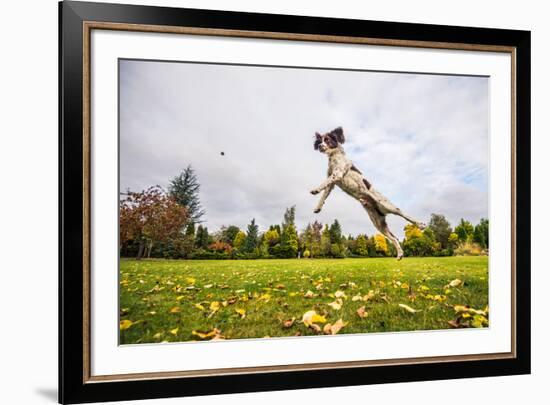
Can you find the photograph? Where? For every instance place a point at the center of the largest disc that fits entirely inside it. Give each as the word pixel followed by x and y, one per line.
pixel 262 202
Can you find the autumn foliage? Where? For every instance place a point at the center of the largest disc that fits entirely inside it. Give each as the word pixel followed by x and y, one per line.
pixel 149 217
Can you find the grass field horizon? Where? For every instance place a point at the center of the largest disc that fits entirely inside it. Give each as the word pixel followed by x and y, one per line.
pixel 185 300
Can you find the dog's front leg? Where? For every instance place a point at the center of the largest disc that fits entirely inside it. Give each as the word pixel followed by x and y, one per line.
pixel 331 180
pixel 323 199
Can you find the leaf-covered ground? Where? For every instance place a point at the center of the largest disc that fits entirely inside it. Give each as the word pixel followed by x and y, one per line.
pixel 178 300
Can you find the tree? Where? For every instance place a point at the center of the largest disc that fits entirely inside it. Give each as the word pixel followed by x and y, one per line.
pixel 202 240
pixel 325 242
pixel 228 234
pixel 452 243
pixel 220 247
pixel 481 233
pixel 464 230
pixel 251 240
pixel 149 217
pixel 441 229
pixel 315 249
pixel 361 248
pixel 271 239
pixel 335 232
pixel 184 188
pixel 380 244
pixel 238 242
pixel 412 231
pixel 289 236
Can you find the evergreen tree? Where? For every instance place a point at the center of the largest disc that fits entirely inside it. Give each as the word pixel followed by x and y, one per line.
pixel 251 241
pixel 202 240
pixel 335 232
pixel 184 188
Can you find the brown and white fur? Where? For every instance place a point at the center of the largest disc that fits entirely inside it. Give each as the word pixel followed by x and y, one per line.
pixel 342 173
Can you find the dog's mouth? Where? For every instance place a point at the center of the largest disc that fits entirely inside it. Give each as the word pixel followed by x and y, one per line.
pixel 322 148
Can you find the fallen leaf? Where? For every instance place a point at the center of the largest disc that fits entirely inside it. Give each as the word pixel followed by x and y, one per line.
pixel 288 323
pixel 175 310
pixel 174 331
pixel 125 324
pixel 337 305
pixel 311 317
pixel 190 280
pixel 158 335
pixel 205 335
pixel 208 286
pixel 334 329
pixel 241 312
pixel 456 283
pixel 199 306
pixel 340 294
pixel 362 312
pixel 357 297
pixel 309 294
pixel 409 309
pixel 315 327
pixel 214 306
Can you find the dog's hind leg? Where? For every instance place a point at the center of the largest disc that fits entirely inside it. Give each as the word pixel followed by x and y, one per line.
pixel 380 223
pixel 385 206
pixel 420 225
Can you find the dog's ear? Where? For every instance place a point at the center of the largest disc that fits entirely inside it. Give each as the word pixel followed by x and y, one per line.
pixel 318 140
pixel 339 133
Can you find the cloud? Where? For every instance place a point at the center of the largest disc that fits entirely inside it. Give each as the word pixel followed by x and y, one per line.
pixel 422 140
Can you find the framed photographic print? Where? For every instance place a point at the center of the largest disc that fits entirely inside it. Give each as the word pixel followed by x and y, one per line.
pixel 256 202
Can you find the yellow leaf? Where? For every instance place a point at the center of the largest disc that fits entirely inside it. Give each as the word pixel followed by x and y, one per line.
pixel 405 286
pixel 241 312
pixel 309 294
pixel 214 306
pixel 175 310
pixel 190 280
pixel 208 286
pixel 212 334
pixel 158 335
pixel 409 309
pixel 265 297
pixel 199 306
pixel 357 298
pixel 125 324
pixel 174 331
pixel 179 298
pixel 311 317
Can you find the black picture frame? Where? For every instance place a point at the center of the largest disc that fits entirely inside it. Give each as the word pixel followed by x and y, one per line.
pixel 73 387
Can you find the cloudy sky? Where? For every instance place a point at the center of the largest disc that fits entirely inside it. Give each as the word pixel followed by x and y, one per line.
pixel 422 140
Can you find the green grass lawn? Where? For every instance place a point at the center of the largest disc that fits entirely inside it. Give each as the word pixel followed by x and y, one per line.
pixel 181 300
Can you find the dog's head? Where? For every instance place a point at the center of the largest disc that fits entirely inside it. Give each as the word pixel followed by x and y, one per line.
pixel 329 141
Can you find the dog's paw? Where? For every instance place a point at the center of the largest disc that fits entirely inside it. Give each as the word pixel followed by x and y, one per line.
pixel 317 210
pixel 314 192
